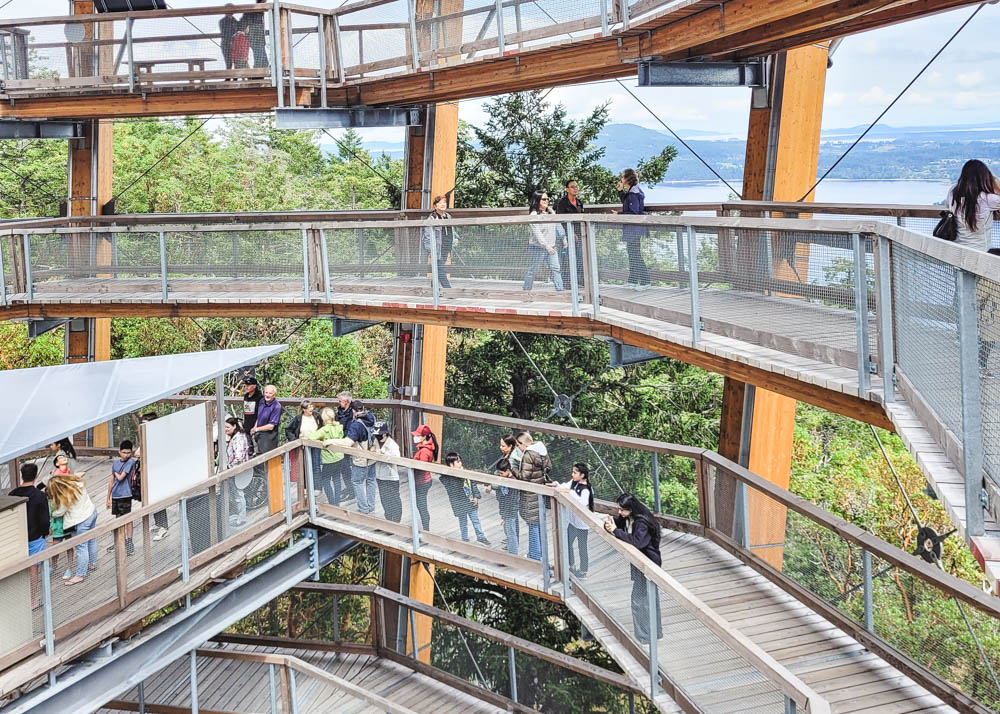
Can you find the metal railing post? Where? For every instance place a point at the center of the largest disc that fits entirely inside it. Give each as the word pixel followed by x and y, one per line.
pixel 50 636
pixel 131 58
pixel 543 538
pixel 563 548
pixel 310 480
pixel 163 265
pixel 512 673
pixel 972 414
pixel 501 42
pixel 141 695
pixel 692 246
pixel 861 313
pixel 185 546
pixel 279 79
pixel 291 60
pixel 305 264
pixel 655 461
pixel 592 252
pixel 414 49
pixel 3 280
pixel 286 486
pixel 435 278
pixel 194 682
pixel 742 524
pixel 623 4
pixel 336 618
pixel 574 287
pixel 653 611
pixel 338 52
pixel 789 705
pixel 604 18
pixel 274 689
pixel 413 632
pixel 291 690
pixel 321 39
pixel 27 267
pixel 866 564
pixel 411 484
pixel 883 297
pixel 326 263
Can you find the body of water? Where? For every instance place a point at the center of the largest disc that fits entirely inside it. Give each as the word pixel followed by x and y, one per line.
pixel 829 191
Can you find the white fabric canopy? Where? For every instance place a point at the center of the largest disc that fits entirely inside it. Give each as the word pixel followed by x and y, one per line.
pixel 44 404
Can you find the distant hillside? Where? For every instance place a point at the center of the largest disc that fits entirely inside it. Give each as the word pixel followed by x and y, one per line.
pixel 922 152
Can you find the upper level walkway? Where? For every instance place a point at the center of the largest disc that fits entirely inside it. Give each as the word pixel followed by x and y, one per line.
pixel 786 603
pixel 387 52
pixel 770 301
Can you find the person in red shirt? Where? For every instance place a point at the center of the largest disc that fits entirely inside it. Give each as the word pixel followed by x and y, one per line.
pixel 427 450
pixel 239 50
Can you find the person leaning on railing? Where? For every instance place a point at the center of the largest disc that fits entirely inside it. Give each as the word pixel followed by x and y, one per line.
pixel 387 475
pixel 329 478
pixel 535 467
pixel 973 199
pixel 636 525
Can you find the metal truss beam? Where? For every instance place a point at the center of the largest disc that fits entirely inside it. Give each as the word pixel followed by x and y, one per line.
pixel 40 327
pixel 622 354
pixel 749 73
pixel 17 129
pixel 110 671
pixel 342 326
pixel 343 118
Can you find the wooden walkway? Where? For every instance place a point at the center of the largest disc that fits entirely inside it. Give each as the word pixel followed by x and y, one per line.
pixel 240 687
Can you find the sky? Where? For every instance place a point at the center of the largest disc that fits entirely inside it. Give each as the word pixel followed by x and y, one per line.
pixel 868 70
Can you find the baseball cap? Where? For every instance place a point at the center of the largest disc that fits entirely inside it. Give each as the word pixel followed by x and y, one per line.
pixel 422 430
pixel 249 380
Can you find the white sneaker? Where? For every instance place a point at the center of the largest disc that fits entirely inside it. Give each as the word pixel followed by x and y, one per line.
pixel 160 534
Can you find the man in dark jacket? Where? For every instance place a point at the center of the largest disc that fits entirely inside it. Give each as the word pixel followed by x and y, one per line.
pixel 251 400
pixel 637 526
pixel 228 26
pixel 571 203
pixel 345 415
pixel 37 513
pixel 359 430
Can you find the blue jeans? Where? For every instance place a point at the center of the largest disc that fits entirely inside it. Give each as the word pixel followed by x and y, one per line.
pixel 512 532
pixel 332 482
pixel 86 552
pixel 539 257
pixel 477 526
pixel 534 541
pixel 363 478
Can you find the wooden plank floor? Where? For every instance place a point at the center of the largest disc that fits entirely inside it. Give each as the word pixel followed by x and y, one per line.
pixel 244 687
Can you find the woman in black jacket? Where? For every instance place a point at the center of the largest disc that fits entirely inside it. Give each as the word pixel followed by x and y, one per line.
pixel 636 525
pixel 571 203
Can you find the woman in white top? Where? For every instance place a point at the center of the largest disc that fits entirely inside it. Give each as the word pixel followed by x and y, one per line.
pixel 387 475
pixel 70 500
pixel 237 452
pixel 577 529
pixel 973 200
pixel 546 238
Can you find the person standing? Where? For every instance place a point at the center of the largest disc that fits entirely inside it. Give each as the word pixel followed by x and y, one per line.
pixel 633 204
pixel 251 401
pixel 359 431
pixel 636 526
pixel 445 238
pixel 265 431
pixel 305 422
pixel 544 242
pixel 37 513
pixel 63 447
pixel 56 529
pixel 509 505
pixel 464 497
pixel 577 530
pixel 68 494
pixel 535 467
pixel 387 475
pixel 228 27
pixel 119 500
pixel 329 477
pixel 252 23
pixel 427 450
pixel 237 452
pixel 570 202
pixel 973 199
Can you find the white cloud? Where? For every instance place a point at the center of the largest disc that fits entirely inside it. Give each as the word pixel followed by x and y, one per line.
pixel 835 99
pixel 969 80
pixel 875 95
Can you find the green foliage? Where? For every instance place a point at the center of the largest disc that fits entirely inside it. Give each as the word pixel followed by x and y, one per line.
pixel 528 145
pixel 19 352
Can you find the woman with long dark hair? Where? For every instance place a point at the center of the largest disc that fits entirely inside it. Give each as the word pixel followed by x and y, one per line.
pixel 577 530
pixel 973 200
pixel 633 204
pixel 636 525
pixel 544 243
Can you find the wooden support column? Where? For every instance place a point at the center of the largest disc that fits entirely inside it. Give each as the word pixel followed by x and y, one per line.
pixel 781 165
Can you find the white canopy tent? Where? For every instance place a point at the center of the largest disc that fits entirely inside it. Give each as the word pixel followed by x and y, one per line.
pixel 47 403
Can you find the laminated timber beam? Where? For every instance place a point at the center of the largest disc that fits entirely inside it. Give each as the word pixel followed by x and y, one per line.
pixel 738 28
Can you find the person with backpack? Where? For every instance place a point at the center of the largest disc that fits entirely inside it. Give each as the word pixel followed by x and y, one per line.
pixel 637 526
pixel 578 488
pixel 427 450
pixel 463 494
pixel 120 487
pixel 973 199
pixel 509 504
pixel 535 467
pixel 633 204
pixel 361 432
pixel 387 475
